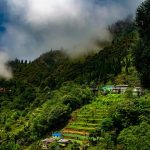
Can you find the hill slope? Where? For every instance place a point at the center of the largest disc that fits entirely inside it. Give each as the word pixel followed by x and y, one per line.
pixel 90 117
pixel 44 93
pixel 55 67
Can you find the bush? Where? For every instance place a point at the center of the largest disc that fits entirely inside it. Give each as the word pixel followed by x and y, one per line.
pixel 135 137
pixel 107 124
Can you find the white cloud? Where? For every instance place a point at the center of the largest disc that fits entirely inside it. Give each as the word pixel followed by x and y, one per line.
pixel 46 11
pixel 38 25
pixel 5 71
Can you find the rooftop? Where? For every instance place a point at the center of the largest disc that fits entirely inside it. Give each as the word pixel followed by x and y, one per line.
pixel 48 140
pixel 56 134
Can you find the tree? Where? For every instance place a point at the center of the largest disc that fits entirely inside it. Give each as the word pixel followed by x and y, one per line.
pixel 142 62
pixel 143 19
pixel 107 124
pixel 142 53
pixel 135 137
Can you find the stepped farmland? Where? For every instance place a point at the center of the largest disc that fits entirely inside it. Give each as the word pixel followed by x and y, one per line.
pixel 90 117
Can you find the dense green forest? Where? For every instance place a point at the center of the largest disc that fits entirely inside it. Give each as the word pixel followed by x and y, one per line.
pixel 44 93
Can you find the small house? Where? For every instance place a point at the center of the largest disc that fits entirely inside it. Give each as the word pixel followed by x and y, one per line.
pixel 46 142
pixel 107 88
pixel 3 90
pixel 138 91
pixel 57 135
pixel 116 90
pixel 120 89
pixel 63 142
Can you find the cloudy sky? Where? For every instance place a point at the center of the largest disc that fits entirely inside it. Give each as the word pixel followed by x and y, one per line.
pixel 31 27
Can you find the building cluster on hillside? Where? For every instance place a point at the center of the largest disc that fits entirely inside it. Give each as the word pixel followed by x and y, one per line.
pixel 116 89
pixel 55 137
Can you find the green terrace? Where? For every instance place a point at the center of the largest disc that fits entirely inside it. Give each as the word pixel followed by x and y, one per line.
pixel 89 117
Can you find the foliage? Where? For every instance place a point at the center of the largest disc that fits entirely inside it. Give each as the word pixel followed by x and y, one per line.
pixel 25 123
pixel 143 19
pixel 43 93
pixel 142 53
pixel 9 146
pixel 127 125
pixel 135 137
pixel 107 124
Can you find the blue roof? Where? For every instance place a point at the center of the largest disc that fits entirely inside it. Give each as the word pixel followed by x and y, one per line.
pixel 57 134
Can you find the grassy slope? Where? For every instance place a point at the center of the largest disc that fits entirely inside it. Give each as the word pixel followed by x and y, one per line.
pixel 90 117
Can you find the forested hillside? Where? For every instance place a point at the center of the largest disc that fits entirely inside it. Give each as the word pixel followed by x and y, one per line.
pixel 44 94
pixel 55 67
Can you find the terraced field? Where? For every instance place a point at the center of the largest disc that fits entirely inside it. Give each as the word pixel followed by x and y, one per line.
pixel 89 117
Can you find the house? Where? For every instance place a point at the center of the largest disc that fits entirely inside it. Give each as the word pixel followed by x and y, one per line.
pixel 120 89
pixel 117 89
pixel 63 141
pixel 57 135
pixel 138 91
pixel 46 142
pixel 107 88
pixel 3 90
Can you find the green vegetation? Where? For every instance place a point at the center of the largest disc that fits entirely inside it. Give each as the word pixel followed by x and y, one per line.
pixel 53 93
pixel 90 117
pixel 24 126
pixel 124 126
pixel 142 53
pixel 117 122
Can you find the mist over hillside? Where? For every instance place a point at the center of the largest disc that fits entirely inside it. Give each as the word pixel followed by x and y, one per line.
pixel 33 27
pixel 91 93
pixel 29 28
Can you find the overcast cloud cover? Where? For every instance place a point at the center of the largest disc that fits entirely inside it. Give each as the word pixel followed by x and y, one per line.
pixel 32 27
